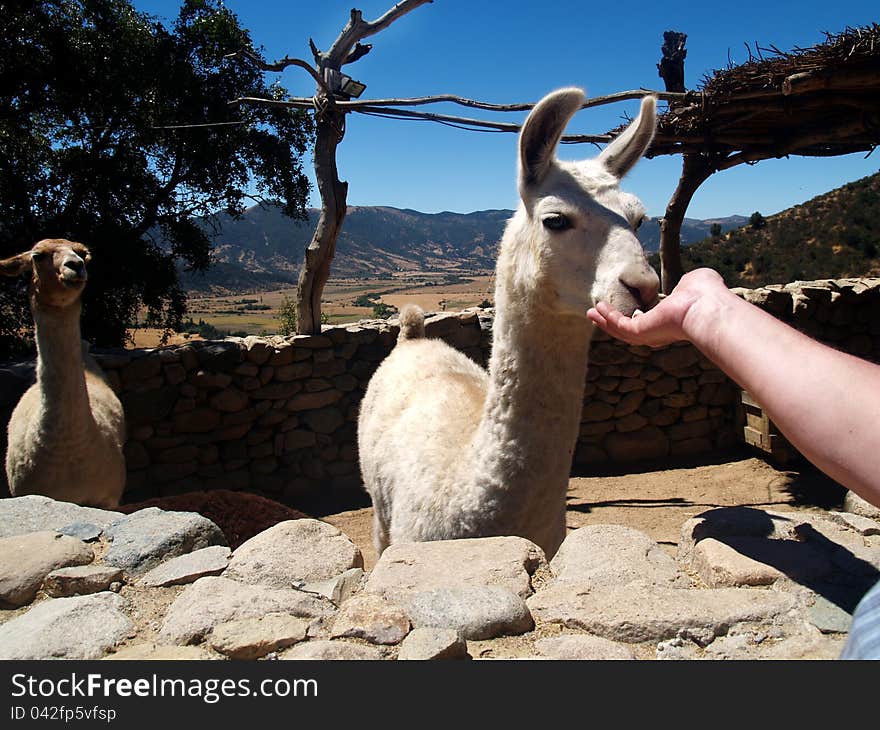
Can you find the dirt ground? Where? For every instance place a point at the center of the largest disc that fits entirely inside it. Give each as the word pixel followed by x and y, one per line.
pixel 658 500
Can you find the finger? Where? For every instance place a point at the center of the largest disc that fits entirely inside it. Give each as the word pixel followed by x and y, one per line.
pixel 596 318
pixel 613 322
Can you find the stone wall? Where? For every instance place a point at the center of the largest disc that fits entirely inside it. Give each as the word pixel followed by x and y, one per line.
pixel 843 313
pixel 274 415
pixel 277 416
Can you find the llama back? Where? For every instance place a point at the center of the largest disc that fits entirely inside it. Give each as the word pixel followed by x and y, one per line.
pixel 411 447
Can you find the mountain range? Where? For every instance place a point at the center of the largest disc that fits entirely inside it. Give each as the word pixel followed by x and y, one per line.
pixel 832 236
pixel 263 249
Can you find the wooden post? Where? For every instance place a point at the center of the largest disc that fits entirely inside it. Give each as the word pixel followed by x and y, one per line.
pixel 671 70
pixel 330 122
pixel 671 66
pixel 315 271
pixel 695 170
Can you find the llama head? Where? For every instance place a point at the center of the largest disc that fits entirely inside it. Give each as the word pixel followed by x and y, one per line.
pixel 580 227
pixel 58 271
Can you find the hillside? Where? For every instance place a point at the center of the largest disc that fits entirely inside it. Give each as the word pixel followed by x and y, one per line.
pixel 835 235
pixel 263 250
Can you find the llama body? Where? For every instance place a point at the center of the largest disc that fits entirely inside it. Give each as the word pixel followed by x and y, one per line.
pixel 67 431
pixel 449 450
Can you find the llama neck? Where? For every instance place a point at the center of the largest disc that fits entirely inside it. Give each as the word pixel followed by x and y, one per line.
pixel 60 375
pixel 524 444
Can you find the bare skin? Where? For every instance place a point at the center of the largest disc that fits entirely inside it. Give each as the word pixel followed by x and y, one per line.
pixel 827 403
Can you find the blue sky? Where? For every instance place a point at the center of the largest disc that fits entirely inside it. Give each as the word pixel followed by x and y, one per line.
pixel 516 51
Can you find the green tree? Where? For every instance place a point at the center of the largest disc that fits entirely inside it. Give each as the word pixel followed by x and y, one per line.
pixel 715 230
pixel 287 317
pixel 382 310
pixel 757 221
pixel 100 142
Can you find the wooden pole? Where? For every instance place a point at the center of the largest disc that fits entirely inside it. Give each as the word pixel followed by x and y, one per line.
pixel 330 123
pixel 695 170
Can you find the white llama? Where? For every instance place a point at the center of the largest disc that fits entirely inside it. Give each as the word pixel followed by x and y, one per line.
pixel 450 451
pixel 67 431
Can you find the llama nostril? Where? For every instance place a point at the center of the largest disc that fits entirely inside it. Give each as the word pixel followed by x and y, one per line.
pixel 76 265
pixel 648 293
pixel 645 293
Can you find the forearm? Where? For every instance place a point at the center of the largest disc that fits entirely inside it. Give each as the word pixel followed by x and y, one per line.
pixel 825 402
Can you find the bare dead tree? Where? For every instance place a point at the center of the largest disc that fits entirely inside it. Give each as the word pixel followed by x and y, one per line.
pixel 695 169
pixel 731 121
pixel 671 66
pixel 330 92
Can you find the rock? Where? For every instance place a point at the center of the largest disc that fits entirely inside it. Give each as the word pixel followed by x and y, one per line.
pixel 220 356
pixel 732 522
pixel 605 353
pixel 85 531
pixel 148 407
pixel 310 401
pixel 339 588
pixel 757 561
pixel 230 400
pixel 609 555
pixel 328 650
pixel 199 420
pixel 293 552
pixel 34 513
pixel 143 539
pixel 852 502
pixel 646 443
pixel 82 627
pixel 80 580
pixel 433 643
pixel 675 358
pixel 158 652
pixel 852 553
pixel 370 617
pixel 796 640
pixel 858 523
pixel 190 567
pixel 476 612
pixel 420 566
pixel 582 646
pixel 639 612
pixel 25 560
pixel 211 601
pixel 828 617
pixel 252 638
pixel 325 420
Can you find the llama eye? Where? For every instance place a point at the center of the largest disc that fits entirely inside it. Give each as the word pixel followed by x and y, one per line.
pixel 38 255
pixel 556 222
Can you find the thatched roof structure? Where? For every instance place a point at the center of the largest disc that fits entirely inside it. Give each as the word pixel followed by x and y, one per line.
pixel 817 101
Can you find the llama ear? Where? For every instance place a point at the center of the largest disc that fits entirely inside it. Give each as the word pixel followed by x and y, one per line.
pixel 16 265
pixel 541 133
pixel 621 155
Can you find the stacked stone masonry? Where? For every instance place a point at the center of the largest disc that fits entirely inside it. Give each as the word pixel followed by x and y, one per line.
pixel 278 416
pixel 743 583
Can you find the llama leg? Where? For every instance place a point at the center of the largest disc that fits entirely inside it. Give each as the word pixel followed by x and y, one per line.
pixel 380 535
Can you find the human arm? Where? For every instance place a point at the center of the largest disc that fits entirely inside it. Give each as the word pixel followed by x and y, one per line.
pixel 827 403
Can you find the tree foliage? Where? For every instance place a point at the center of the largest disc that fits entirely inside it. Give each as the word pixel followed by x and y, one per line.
pixel 757 221
pixel 98 104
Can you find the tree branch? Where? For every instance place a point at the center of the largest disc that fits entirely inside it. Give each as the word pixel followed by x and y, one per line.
pixel 357 29
pixel 284 63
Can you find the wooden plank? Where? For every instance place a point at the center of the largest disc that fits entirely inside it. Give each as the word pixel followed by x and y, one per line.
pixel 754 437
pixel 758 421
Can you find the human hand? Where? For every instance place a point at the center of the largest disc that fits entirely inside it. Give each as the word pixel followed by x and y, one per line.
pixel 665 323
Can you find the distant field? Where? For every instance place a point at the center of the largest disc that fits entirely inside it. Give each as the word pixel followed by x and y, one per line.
pixel 258 313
